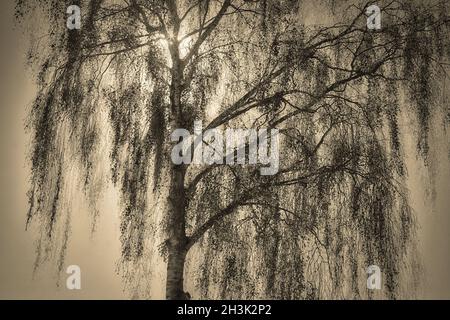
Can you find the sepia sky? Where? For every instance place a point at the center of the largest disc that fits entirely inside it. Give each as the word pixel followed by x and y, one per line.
pixel 97 254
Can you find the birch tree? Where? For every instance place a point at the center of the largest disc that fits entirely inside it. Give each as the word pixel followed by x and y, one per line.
pixel 137 70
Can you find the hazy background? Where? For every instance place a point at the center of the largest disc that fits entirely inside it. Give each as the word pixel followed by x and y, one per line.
pixel 97 255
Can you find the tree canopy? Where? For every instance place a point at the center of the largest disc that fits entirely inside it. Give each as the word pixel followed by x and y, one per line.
pixel 333 88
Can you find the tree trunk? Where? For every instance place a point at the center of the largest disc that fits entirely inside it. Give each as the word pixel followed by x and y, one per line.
pixel 177 194
pixel 175 269
pixel 177 245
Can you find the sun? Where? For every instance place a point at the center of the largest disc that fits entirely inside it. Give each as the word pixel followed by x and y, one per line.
pixel 184 46
pixel 184 43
